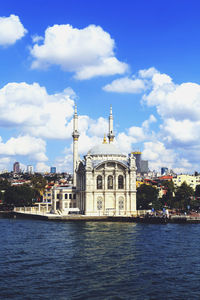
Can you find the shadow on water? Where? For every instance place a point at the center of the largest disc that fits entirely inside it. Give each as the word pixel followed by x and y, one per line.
pixel 91 260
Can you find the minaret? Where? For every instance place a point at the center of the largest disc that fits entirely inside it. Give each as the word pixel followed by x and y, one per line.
pixel 75 136
pixel 111 134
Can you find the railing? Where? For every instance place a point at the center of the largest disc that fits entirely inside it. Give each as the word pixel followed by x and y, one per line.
pixel 33 209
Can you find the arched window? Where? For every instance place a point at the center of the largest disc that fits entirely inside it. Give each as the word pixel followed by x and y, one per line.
pixel 99 182
pixel 121 204
pixel 120 182
pixel 110 182
pixel 99 203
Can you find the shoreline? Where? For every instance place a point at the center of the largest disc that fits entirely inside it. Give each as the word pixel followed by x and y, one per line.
pixel 175 219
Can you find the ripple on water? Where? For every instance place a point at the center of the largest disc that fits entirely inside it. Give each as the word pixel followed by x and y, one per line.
pixel 46 260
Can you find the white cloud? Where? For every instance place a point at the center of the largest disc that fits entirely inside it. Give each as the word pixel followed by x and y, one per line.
pixel 148 122
pixel 158 155
pixel 11 30
pixel 42 167
pixel 136 84
pixel 4 163
pixel 88 52
pixel 24 146
pixel 98 127
pixel 174 101
pixel 179 109
pixel 137 133
pixel 126 85
pixel 36 38
pixel 147 73
pixel 181 133
pixel 124 142
pixel 105 66
pixel 64 164
pixel 34 111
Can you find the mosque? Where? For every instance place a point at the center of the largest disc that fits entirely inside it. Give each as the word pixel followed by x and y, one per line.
pixel 104 182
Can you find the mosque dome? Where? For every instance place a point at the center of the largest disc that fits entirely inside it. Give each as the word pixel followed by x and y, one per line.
pixel 105 149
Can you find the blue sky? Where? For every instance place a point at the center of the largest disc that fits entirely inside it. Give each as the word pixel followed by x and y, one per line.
pixel 140 56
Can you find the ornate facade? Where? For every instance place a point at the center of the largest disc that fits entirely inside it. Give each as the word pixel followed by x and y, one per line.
pixel 104 181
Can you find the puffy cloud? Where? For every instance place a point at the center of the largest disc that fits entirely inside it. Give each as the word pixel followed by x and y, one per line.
pixel 124 142
pixel 158 155
pixel 36 38
pixel 34 111
pixel 11 30
pixel 147 73
pixel 181 133
pixel 174 101
pixel 4 163
pixel 24 146
pixel 137 133
pixel 148 122
pixel 98 127
pixel 126 85
pixel 64 164
pixel 88 52
pixel 42 167
pixel 179 109
pixel 134 85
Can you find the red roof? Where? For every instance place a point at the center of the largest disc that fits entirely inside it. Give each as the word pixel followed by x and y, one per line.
pixel 166 177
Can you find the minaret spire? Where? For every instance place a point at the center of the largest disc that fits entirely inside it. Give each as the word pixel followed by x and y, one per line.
pixel 75 136
pixel 110 133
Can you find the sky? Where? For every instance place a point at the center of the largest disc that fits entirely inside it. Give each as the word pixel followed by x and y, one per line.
pixel 141 57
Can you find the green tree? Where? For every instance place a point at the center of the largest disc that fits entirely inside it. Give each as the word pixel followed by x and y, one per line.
pixel 183 196
pixel 21 195
pixel 168 198
pixel 38 182
pixel 146 196
pixel 197 191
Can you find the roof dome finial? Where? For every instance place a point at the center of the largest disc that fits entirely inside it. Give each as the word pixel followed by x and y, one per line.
pixel 104 140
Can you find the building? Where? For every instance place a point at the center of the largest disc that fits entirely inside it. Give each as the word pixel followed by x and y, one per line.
pixel 144 166
pixel 191 180
pixel 164 171
pixel 53 170
pixel 16 167
pixel 30 169
pixel 104 182
pixel 137 155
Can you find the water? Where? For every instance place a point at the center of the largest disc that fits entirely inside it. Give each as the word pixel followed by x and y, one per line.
pixel 47 260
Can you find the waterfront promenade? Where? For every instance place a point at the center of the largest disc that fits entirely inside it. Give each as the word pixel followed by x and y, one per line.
pixel 175 218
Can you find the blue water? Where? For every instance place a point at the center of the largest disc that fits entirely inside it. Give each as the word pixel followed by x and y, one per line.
pixel 47 260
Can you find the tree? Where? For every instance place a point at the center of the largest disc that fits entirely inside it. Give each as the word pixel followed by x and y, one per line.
pixel 146 195
pixel 168 198
pixel 197 191
pixel 183 196
pixel 21 195
pixel 38 182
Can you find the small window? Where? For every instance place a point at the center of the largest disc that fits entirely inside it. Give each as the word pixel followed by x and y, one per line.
pixel 66 196
pixel 58 196
pixel 74 196
pixel 70 205
pixel 66 205
pixel 120 182
pixel 121 204
pixel 110 182
pixel 99 182
pixel 70 196
pixel 99 203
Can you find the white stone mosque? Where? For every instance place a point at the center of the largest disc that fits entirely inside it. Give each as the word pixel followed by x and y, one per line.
pixel 104 182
